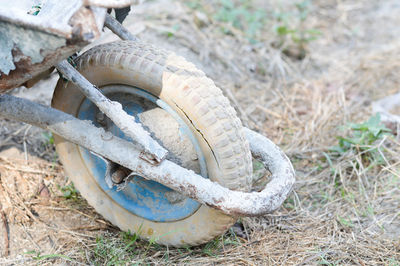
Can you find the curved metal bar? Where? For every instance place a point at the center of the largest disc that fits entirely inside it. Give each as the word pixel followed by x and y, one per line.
pixel 167 173
pixel 228 201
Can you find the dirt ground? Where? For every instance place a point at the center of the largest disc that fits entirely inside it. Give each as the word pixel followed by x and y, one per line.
pixel 345 207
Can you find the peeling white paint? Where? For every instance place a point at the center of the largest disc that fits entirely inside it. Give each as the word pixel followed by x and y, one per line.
pixel 33 44
pixel 6 59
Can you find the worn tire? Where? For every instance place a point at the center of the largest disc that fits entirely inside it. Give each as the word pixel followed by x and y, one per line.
pixel 196 99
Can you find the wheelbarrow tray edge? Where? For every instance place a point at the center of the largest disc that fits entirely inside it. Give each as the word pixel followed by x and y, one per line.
pixel 32 44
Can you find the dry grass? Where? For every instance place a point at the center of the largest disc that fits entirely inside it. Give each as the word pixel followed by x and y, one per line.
pixel 344 212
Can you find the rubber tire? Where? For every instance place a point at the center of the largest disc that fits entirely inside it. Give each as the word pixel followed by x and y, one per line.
pixel 196 99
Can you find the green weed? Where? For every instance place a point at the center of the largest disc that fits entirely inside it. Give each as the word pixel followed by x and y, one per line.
pixel 289 204
pixel 325 258
pixel 211 248
pixel 324 261
pixel 174 29
pixel 362 139
pixel 69 191
pixel 361 149
pixel 49 139
pixel 214 247
pixel 241 16
pixel 49 146
pixel 112 252
pixel 345 222
pixel 194 4
pixel 38 257
pixel 293 27
pixel 368 211
pixel 393 262
pixel 347 195
pixel 231 239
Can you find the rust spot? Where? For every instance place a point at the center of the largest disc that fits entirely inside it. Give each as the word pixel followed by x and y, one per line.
pixel 84 25
pixel 84 30
pixel 150 231
pixel 26 70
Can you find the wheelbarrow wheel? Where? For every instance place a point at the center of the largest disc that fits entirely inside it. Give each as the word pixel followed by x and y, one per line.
pixel 185 112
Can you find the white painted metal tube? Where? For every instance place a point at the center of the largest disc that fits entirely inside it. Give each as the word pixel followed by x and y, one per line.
pixel 153 150
pixel 167 173
pixel 118 29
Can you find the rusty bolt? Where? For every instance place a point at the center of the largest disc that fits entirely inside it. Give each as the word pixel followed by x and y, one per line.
pixel 101 118
pixel 119 175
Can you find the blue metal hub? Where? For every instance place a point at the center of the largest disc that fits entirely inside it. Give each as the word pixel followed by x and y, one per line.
pixel 147 199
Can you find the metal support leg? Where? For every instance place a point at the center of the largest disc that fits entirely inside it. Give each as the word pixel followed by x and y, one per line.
pixel 154 152
pixel 167 173
pixel 118 29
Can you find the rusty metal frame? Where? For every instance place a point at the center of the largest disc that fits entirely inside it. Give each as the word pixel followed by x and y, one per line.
pixel 167 173
pixel 32 44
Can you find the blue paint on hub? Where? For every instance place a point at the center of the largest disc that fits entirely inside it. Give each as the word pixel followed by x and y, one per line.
pixel 142 197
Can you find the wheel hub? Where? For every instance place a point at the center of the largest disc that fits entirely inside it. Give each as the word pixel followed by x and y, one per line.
pixel 145 198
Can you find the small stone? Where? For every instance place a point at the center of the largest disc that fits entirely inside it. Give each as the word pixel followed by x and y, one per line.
pixel 239 231
pixel 201 19
pixel 43 190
